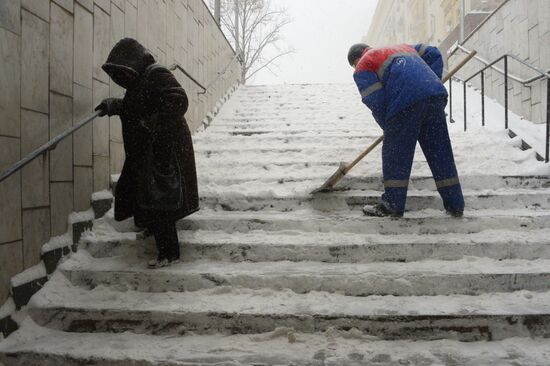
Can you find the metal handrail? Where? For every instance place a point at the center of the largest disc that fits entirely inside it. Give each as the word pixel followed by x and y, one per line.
pixel 52 144
pixel 511 76
pixel 490 65
pixel 235 57
pixel 180 68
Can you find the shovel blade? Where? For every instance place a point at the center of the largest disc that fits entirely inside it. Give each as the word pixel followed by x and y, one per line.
pixel 331 182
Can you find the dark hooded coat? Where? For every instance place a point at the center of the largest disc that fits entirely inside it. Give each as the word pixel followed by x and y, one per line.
pixel 158 182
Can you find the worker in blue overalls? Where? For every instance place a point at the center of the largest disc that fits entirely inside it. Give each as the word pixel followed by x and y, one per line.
pixel 402 87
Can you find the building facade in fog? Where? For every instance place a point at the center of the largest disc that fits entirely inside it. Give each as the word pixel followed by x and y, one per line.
pixel 433 21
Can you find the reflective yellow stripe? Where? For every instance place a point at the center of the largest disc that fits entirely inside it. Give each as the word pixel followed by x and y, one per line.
pixel 447 182
pixel 387 63
pixel 396 183
pixel 422 49
pixel 371 89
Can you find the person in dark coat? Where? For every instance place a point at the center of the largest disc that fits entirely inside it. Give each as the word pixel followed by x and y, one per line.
pixel 158 183
pixel 402 87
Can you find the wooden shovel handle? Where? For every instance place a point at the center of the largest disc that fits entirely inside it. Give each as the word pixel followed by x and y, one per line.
pixel 363 154
pixel 379 140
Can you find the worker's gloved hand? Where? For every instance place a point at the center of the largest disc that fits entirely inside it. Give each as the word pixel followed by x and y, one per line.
pixel 109 107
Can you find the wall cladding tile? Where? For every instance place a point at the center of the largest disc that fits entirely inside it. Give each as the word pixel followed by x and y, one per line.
pixel 117 157
pixel 36 175
pixel 102 39
pixel 65 4
pixel 117 25
pixel 61 206
pixel 39 8
pixel 11 263
pixel 101 173
pixel 82 139
pixel 10 74
pixel 120 4
pixel 83 187
pixel 36 232
pixel 88 4
pixel 83 46
pixel 61 118
pixel 105 5
pixel 116 129
pixel 143 21
pixel 130 21
pixel 101 125
pixel 61 50
pixel 10 15
pixel 35 50
pixel 10 192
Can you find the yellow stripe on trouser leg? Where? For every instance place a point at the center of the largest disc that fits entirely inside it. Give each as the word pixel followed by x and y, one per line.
pixel 447 182
pixel 396 183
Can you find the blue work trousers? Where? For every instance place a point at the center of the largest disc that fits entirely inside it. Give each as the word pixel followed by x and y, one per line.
pixel 424 122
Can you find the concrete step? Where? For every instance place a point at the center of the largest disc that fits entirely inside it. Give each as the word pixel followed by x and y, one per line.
pixel 315 176
pixel 265 246
pixel 355 200
pixel 289 157
pixel 281 145
pixel 289 131
pixel 292 135
pixel 284 122
pixel 293 164
pixel 420 222
pixel 229 310
pixel 33 345
pixel 276 139
pixel 469 276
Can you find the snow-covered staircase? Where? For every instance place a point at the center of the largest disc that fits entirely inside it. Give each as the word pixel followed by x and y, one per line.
pixel 274 275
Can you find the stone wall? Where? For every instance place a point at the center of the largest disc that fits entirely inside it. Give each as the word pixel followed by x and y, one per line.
pixel 51 54
pixel 521 28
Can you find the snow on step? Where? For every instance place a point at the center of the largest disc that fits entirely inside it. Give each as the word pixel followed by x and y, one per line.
pixel 234 200
pixel 375 182
pixel 470 276
pixel 33 344
pixel 420 222
pixel 295 245
pixel 231 310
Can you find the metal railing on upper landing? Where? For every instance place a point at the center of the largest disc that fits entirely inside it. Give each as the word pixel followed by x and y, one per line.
pixel 52 144
pixel 505 72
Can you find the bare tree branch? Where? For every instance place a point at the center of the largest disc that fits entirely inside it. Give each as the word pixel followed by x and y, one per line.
pixel 259 33
pixel 265 65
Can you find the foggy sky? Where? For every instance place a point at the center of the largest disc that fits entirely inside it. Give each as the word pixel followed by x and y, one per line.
pixel 321 34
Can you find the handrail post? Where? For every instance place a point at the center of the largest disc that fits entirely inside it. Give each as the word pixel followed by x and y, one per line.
pixel 465 118
pixel 506 92
pixel 482 99
pixel 451 100
pixel 547 120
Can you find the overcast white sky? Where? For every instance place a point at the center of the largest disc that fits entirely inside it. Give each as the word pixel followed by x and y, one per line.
pixel 321 34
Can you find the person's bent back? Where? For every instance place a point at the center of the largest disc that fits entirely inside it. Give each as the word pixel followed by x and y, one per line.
pixel 402 87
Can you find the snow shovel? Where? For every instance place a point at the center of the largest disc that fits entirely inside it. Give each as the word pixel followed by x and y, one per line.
pixel 344 168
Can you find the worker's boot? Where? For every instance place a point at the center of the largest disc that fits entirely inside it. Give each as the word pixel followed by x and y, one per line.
pixel 455 213
pixel 380 210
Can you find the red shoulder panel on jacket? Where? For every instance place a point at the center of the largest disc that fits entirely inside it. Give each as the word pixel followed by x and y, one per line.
pixel 373 58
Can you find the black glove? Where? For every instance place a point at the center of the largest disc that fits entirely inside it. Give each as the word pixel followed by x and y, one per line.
pixel 109 107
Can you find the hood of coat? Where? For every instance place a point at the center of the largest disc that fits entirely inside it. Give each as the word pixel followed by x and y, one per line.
pixel 127 61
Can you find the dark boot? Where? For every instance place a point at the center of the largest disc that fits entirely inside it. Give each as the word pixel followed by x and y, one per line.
pixel 166 239
pixel 380 210
pixel 158 231
pixel 172 244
